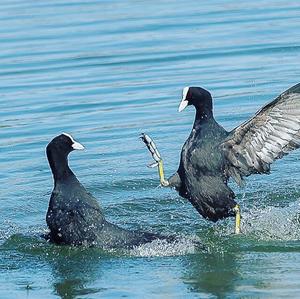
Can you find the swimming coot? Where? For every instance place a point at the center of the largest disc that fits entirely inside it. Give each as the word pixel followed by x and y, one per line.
pixel 74 216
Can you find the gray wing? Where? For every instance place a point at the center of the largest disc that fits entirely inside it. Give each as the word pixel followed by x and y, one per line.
pixel 272 133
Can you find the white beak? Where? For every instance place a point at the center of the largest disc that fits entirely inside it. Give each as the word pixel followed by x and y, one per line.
pixel 77 146
pixel 182 105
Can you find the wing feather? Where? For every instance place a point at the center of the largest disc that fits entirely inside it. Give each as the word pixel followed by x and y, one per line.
pixel 273 132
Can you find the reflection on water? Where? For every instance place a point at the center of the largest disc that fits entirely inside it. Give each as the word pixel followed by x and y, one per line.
pixel 213 273
pixel 74 273
pixel 225 269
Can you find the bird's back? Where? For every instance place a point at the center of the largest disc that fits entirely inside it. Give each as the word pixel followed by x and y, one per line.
pixel 74 216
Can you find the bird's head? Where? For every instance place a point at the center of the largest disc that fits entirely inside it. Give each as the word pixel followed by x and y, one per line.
pixel 63 144
pixel 197 96
pixel 57 153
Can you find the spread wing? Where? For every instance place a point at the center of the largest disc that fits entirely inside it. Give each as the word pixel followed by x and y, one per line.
pixel 272 133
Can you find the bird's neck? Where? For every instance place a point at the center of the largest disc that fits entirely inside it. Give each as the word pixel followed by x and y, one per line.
pixel 59 166
pixel 203 116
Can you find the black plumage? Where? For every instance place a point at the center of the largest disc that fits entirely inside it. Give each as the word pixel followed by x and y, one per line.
pixel 200 177
pixel 74 216
pixel 211 155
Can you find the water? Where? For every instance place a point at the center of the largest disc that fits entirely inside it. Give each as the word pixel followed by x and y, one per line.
pixel 105 71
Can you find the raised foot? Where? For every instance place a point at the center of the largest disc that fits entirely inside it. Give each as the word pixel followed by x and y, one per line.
pixel 156 157
pixel 152 149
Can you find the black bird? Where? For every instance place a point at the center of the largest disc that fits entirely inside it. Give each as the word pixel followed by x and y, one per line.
pixel 211 155
pixel 74 216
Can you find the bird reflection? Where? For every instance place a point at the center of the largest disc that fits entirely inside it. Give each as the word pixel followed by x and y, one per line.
pixel 212 273
pixel 75 270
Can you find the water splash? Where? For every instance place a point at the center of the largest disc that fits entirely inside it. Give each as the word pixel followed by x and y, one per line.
pixel 182 246
pixel 266 223
pixel 273 223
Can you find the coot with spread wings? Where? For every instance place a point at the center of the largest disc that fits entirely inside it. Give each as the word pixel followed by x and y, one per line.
pixel 211 155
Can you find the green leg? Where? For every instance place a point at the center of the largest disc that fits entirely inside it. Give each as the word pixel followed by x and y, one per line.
pixel 237 219
pixel 162 179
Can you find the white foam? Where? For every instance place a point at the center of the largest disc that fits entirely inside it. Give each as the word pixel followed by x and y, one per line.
pixel 268 223
pixel 182 246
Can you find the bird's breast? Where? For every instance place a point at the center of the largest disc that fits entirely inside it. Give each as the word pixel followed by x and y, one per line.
pixel 202 155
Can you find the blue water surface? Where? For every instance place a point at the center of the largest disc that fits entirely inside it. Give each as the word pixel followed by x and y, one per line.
pixel 105 71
